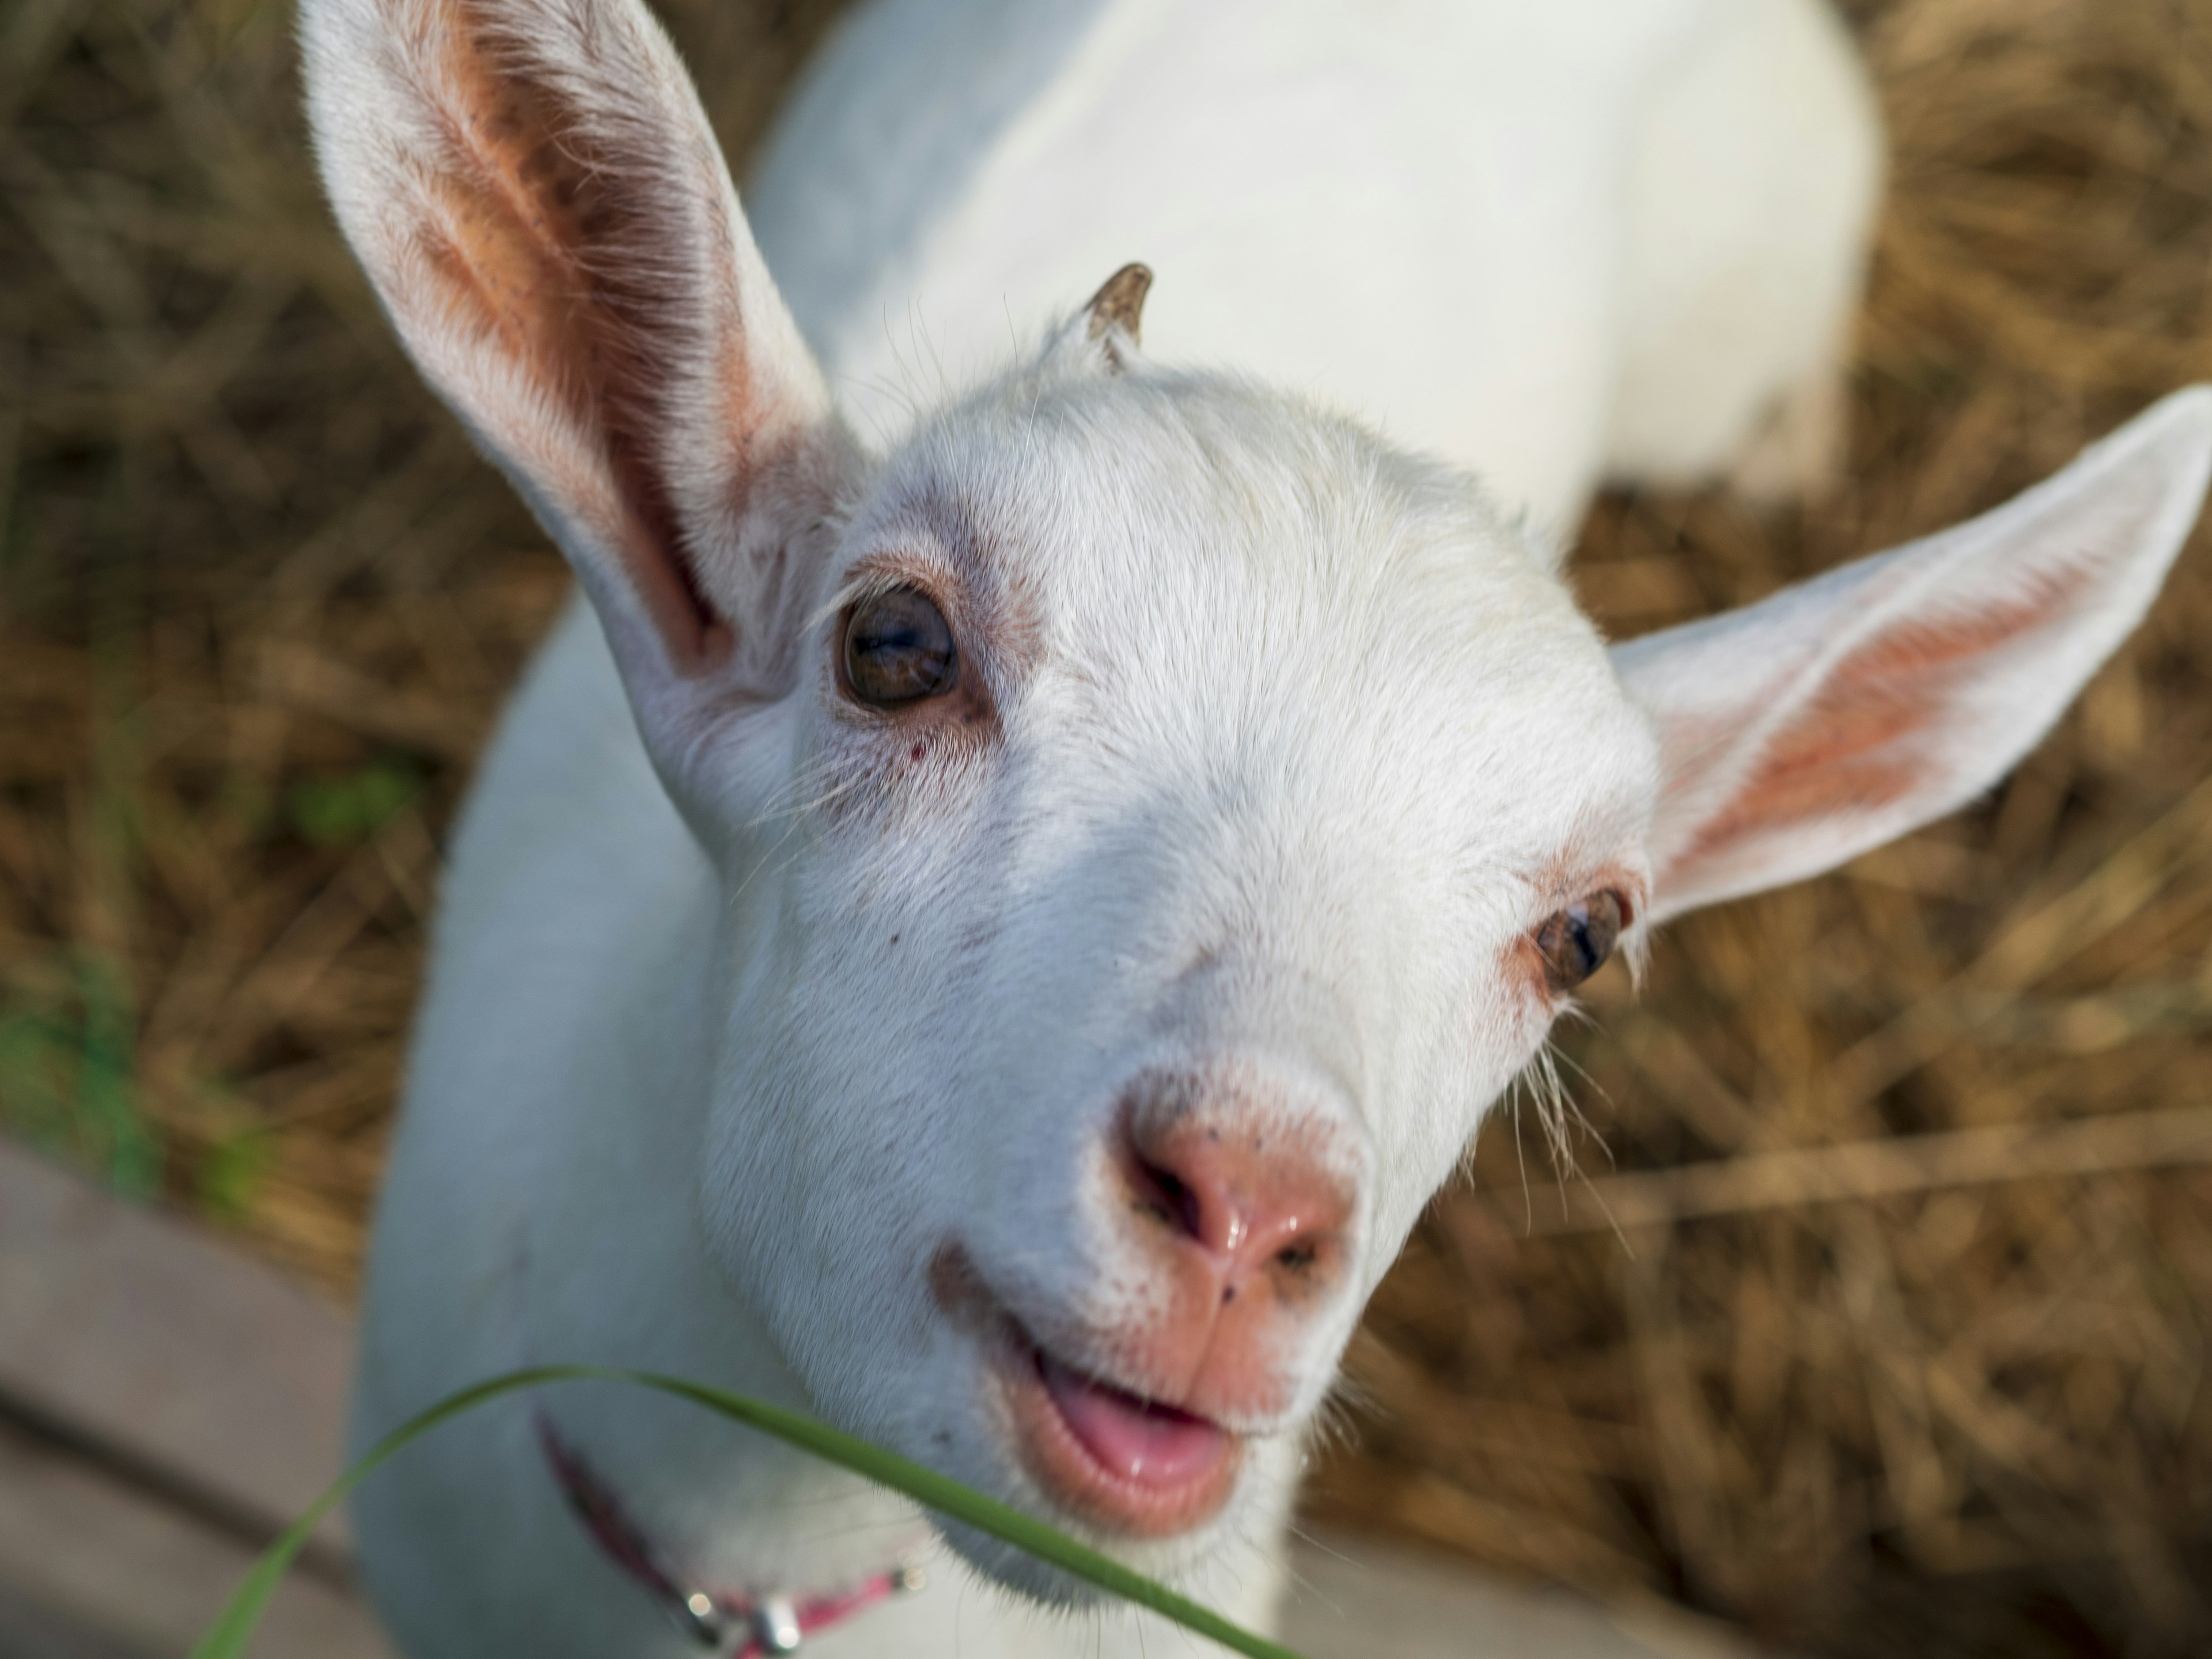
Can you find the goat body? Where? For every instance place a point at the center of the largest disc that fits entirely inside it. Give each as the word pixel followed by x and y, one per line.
pixel 992 929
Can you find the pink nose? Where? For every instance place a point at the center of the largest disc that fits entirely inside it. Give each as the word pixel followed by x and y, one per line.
pixel 1244 1226
pixel 1256 1215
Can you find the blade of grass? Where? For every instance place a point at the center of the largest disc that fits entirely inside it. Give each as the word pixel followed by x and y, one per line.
pixel 227 1636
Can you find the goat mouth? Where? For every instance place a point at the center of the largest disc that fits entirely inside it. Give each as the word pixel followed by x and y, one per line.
pixel 1118 1460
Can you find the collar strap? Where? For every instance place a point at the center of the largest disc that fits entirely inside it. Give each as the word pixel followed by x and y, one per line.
pixel 758 1625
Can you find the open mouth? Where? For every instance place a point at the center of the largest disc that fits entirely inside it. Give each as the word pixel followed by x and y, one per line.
pixel 1122 1462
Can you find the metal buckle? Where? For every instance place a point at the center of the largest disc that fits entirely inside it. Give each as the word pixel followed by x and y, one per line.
pixel 776 1625
pixel 699 1618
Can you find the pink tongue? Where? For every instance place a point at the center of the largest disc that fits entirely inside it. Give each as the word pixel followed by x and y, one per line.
pixel 1137 1439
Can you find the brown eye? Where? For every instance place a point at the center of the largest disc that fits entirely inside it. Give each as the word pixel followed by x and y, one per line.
pixel 1576 941
pixel 898 649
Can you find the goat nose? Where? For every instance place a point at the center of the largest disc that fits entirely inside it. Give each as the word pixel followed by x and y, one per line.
pixel 1256 1207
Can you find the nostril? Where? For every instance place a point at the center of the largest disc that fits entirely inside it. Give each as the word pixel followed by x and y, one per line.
pixel 1166 1195
pixel 1250 1200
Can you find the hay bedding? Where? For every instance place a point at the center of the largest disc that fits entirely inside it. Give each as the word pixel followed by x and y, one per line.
pixel 1879 1360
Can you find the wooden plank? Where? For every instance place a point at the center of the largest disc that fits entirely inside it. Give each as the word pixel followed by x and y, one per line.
pixel 28 1630
pixel 92 1565
pixel 136 1331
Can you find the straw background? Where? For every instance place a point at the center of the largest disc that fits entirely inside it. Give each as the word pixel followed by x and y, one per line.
pixel 1900 1347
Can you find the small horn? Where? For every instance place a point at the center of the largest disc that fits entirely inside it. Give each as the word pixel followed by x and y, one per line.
pixel 1120 303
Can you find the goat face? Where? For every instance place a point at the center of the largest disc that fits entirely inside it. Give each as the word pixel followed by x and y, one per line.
pixel 1108 1013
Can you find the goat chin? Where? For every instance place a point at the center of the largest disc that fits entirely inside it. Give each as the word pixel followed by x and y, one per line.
pixel 994 934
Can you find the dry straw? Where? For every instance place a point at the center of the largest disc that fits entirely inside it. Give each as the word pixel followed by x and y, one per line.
pixel 1899 1346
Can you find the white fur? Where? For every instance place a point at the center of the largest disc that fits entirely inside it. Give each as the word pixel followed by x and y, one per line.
pixel 743 1007
pixel 1547 242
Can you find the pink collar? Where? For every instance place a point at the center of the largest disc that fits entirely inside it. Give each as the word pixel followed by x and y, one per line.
pixel 762 1626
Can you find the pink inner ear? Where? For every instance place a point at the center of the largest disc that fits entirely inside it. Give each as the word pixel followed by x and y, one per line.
pixel 1861 742
pixel 545 238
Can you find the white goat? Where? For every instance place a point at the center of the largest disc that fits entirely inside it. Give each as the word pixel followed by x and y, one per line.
pixel 996 941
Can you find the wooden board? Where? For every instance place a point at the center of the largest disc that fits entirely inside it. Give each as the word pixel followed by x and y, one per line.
pixel 92 1564
pixel 125 1327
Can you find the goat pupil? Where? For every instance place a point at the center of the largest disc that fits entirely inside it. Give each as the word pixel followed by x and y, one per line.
pixel 1575 942
pixel 1585 953
pixel 898 649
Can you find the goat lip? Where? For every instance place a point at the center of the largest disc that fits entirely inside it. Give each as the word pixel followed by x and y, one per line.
pixel 1143 1441
pixel 1124 1463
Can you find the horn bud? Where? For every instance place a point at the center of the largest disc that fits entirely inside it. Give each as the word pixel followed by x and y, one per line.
pixel 1120 303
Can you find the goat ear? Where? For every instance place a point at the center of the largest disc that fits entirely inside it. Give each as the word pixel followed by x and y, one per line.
pixel 542 209
pixel 1800 731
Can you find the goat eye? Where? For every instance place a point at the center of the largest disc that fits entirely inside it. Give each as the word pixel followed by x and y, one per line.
pixel 1576 941
pixel 898 649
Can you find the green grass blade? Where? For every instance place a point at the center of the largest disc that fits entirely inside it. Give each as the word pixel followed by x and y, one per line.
pixel 227 1636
